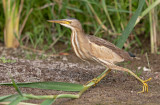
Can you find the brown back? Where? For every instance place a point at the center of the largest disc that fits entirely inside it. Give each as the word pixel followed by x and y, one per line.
pixel 102 42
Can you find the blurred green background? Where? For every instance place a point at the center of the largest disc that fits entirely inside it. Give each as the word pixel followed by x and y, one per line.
pixel 113 14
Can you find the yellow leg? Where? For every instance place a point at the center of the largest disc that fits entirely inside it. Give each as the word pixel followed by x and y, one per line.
pixel 145 86
pixel 100 77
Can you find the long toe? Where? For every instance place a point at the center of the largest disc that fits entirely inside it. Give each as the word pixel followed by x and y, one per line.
pixel 147 80
pixel 145 86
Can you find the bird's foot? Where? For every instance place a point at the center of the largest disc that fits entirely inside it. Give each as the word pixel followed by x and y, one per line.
pixel 145 86
pixel 94 80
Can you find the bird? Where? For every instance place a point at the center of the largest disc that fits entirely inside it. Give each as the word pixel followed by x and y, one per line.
pixel 92 48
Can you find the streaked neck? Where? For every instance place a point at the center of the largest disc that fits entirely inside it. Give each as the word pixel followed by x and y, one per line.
pixel 78 38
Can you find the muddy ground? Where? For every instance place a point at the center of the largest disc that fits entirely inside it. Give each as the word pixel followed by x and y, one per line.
pixel 117 88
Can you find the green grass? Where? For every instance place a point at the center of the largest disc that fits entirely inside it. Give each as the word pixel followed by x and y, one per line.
pixel 40 34
pixel 139 72
pixel 4 60
pixel 48 99
pixel 104 18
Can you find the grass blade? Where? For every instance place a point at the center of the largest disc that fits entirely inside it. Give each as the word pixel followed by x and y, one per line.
pixel 8 98
pixel 75 9
pixel 146 11
pixel 107 14
pixel 16 101
pixel 16 87
pixel 48 102
pixel 119 10
pixel 130 25
pixel 50 85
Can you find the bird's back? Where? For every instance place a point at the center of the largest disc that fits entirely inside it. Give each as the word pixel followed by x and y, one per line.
pixel 107 51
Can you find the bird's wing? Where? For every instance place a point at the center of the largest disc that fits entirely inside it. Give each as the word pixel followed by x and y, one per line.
pixel 105 44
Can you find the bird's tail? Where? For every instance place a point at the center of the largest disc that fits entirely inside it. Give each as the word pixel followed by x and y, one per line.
pixel 132 55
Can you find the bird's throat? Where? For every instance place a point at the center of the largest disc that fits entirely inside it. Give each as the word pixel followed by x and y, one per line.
pixel 78 39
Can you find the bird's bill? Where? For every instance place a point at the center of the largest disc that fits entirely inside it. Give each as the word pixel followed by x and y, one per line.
pixel 60 21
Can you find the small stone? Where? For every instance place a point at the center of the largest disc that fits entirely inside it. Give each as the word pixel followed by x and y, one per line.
pixel 64 58
pixel 146 69
pixel 139 67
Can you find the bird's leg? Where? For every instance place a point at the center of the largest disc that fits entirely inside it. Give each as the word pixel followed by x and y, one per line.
pixel 145 86
pixel 100 77
pixel 93 82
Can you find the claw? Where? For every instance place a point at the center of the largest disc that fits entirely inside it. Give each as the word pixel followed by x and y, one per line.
pixel 148 80
pixel 145 86
pixel 95 80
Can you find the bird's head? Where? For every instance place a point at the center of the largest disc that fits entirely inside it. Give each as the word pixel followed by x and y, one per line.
pixel 70 23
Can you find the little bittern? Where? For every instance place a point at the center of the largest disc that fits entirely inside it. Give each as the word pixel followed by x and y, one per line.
pixel 89 47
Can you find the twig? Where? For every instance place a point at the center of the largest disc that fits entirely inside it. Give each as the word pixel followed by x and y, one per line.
pixel 148 61
pixel 34 50
pixel 20 8
pixel 100 22
pixel 24 22
pixel 39 52
pixel 45 6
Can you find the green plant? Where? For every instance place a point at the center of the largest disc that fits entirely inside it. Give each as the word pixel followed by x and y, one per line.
pixel 49 99
pixel 153 28
pixel 12 31
pixel 4 60
pixel 139 72
pixel 12 16
pixel 130 25
pixel 37 33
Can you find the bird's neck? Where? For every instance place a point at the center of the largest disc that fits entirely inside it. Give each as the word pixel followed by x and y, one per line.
pixel 78 36
pixel 79 42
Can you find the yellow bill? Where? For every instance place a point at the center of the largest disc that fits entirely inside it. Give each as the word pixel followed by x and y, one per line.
pixel 60 21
